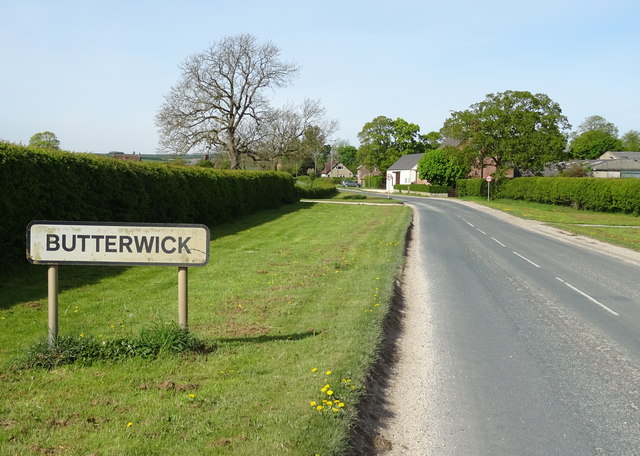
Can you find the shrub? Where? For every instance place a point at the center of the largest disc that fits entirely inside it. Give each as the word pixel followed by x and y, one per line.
pixel 316 192
pixel 597 194
pixel 374 181
pixel 470 187
pixel 55 185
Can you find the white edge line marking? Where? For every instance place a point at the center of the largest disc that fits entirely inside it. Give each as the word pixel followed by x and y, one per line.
pixel 589 297
pixel 481 231
pixel 498 241
pixel 526 259
pixel 469 224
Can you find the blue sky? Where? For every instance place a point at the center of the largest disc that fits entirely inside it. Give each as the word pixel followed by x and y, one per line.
pixel 95 72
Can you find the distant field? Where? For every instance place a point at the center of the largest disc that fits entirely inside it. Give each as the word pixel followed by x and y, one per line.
pixel 293 301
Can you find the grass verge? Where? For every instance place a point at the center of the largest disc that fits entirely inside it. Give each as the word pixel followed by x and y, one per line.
pixel 293 300
pixel 614 228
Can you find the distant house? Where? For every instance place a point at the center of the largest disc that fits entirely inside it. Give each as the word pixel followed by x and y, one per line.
pixel 608 165
pixel 616 165
pixel 404 171
pixel 335 169
pixel 488 169
pixel 611 155
pixel 363 172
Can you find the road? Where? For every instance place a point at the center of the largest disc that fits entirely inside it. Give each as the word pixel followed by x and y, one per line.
pixel 513 343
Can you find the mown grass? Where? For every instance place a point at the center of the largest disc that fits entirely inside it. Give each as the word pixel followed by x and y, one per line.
pixel 357 196
pixel 614 228
pixel 293 301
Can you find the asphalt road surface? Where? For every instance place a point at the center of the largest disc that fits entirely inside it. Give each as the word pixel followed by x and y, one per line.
pixel 513 343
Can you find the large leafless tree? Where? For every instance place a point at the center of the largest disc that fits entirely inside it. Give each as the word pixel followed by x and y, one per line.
pixel 220 98
pixel 283 132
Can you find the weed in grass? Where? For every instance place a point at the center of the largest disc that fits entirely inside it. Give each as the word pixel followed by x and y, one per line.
pixel 81 350
pixel 330 400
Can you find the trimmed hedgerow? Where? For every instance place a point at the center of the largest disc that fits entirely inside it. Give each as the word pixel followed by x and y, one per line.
pixel 596 194
pixel 54 185
pixel 375 181
pixel 316 192
pixel 469 187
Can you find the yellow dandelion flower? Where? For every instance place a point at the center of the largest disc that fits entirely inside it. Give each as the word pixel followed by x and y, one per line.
pixel 192 396
pixel 81 334
pixel 129 424
pixel 319 408
pixel 328 372
pixel 313 403
pixel 315 369
pixel 335 410
pixel 341 404
pixel 330 393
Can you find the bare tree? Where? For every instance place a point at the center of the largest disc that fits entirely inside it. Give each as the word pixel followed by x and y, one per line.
pixel 220 98
pixel 283 131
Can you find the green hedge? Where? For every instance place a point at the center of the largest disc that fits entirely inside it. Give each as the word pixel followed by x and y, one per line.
pixel 596 194
pixel 470 187
pixel 375 181
pixel 55 185
pixel 316 192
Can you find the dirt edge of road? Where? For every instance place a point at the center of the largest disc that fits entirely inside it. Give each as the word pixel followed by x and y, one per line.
pixel 377 407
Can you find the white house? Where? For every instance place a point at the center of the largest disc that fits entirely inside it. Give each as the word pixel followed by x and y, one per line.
pixel 404 171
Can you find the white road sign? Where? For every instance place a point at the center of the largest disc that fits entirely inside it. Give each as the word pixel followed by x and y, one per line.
pixel 53 242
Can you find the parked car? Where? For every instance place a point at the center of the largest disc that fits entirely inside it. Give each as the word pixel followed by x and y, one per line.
pixel 348 183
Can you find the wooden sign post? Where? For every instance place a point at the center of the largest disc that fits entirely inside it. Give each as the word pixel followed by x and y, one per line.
pixel 143 244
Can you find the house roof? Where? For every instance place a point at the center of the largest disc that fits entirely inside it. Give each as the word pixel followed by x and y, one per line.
pixel 622 155
pixel 330 166
pixel 616 165
pixel 408 161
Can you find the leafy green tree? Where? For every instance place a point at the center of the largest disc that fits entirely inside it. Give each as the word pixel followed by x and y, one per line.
pixel 45 140
pixel 432 140
pixel 441 167
pixel 383 141
pixel 631 141
pixel 593 143
pixel 513 128
pixel 348 155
